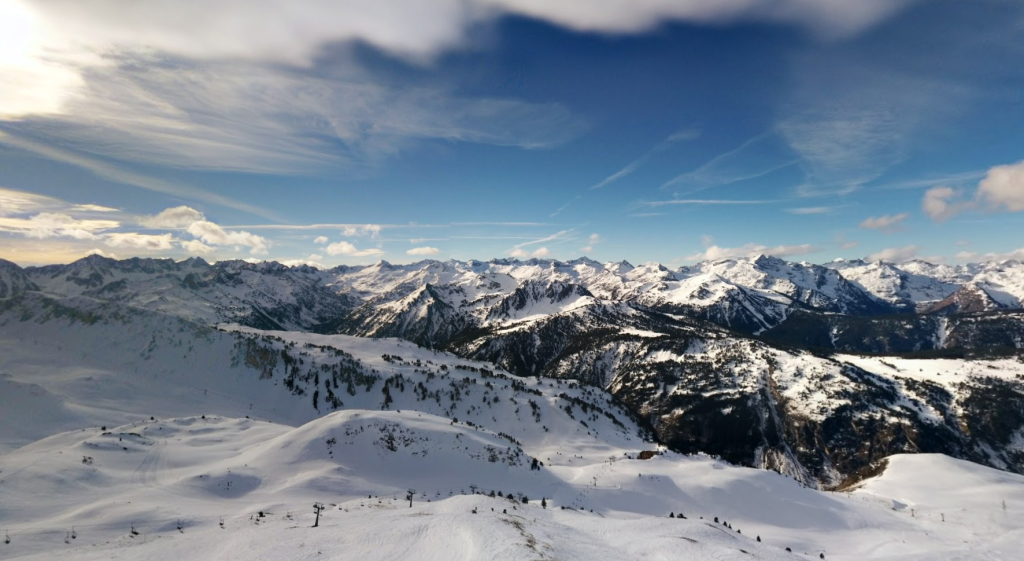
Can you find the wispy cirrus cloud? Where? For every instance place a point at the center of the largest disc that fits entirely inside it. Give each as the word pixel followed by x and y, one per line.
pixel 56 225
pixel 235 84
pixel 519 250
pixel 850 119
pixel 755 157
pixel 701 202
pixel 806 210
pixel 681 135
pixel 250 118
pixel 117 174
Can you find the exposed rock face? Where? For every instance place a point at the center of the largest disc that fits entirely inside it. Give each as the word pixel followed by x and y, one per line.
pixel 971 298
pixel 820 419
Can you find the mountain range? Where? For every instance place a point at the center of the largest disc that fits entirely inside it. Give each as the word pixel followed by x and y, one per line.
pixel 815 371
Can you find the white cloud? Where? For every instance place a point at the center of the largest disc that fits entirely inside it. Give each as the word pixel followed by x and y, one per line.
pixel 359 230
pixel 176 218
pixel 21 202
pixel 346 248
pixel 207 233
pixel 101 253
pixel 212 234
pixel 885 223
pixel 541 252
pixel 54 225
pixel 162 242
pixel 93 208
pixel 941 204
pixel 1003 187
pixel 295 32
pixel 214 84
pixel 701 202
pixel 198 247
pixel 93 140
pixel 714 252
pixel 974 257
pixel 423 251
pixel 593 240
pixel 315 257
pixel 252 117
pixel 894 254
pixel 814 209
pixel 520 253
pixel 321 240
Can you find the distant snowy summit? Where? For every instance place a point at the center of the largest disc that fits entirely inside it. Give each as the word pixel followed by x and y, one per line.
pixel 750 295
pixel 752 360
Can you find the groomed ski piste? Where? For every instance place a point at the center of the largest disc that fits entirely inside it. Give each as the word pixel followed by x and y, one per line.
pixel 159 440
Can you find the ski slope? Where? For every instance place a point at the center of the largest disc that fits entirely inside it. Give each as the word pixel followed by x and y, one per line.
pixel 193 473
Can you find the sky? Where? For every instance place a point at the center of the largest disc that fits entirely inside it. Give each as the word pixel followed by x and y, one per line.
pixel 350 131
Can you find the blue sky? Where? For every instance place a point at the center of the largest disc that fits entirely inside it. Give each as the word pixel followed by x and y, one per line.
pixel 351 131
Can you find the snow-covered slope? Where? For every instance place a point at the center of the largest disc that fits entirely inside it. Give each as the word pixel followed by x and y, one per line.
pixel 919 283
pixel 265 294
pixel 208 487
pixel 819 419
pixel 116 416
pixel 13 280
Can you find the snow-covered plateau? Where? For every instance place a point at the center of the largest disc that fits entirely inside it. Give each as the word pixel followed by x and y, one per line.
pixel 510 410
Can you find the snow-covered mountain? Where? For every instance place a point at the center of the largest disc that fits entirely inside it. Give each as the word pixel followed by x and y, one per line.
pixel 431 302
pixel 13 280
pixel 130 432
pixel 671 358
pixel 921 285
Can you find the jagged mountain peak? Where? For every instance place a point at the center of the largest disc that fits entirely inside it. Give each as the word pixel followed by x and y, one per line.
pixel 620 268
pixel 970 298
pixel 14 280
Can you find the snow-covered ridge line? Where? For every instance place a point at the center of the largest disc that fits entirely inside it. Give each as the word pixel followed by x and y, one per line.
pixel 431 301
